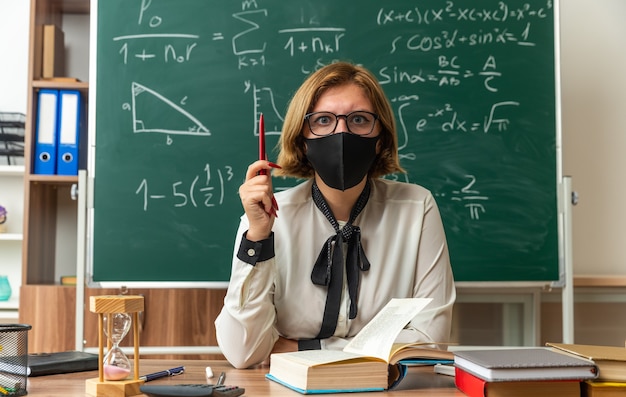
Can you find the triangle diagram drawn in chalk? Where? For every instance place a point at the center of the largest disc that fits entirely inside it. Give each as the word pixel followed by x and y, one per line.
pixel 152 112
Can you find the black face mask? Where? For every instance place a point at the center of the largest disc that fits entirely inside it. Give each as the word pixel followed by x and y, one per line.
pixel 343 159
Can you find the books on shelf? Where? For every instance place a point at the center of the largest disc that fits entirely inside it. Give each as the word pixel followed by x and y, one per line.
pixel 53 59
pixel 68 280
pixel 368 363
pixel 474 386
pixel 515 364
pixel 611 360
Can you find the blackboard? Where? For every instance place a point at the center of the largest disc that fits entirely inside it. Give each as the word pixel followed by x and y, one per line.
pixel 179 86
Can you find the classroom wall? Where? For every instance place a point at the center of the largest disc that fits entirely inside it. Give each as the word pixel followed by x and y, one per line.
pixel 14 20
pixel 593 96
pixel 593 65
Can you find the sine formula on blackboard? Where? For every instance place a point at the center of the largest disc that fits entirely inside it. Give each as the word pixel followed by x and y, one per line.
pixel 179 86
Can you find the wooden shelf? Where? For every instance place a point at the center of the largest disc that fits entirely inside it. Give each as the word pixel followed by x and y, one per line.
pixel 599 281
pixel 82 86
pixel 12 170
pixel 73 6
pixel 52 179
pixel 11 304
pixel 11 237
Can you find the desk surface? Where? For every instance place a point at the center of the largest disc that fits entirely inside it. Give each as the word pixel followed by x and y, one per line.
pixel 422 381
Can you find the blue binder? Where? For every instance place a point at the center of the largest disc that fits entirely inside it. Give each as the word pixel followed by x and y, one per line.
pixel 69 132
pixel 46 132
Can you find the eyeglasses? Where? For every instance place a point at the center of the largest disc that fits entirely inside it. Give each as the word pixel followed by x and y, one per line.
pixel 325 123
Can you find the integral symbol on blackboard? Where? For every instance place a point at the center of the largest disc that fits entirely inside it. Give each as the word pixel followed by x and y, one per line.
pixel 172 119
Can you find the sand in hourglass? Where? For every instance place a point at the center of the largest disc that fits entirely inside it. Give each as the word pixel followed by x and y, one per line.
pixel 116 364
pixel 111 372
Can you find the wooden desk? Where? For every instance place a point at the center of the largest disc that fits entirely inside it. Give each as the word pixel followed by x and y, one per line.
pixel 422 382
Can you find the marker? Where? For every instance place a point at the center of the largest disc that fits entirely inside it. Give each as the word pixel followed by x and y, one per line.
pixel 163 374
pixel 221 379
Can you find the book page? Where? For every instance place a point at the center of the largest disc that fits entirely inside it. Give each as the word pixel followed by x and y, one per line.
pixel 377 337
pixel 313 358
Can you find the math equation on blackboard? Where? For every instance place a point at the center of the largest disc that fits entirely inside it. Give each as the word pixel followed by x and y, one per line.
pixel 203 190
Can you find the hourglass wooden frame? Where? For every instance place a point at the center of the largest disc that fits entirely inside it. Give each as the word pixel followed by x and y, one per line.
pixel 109 304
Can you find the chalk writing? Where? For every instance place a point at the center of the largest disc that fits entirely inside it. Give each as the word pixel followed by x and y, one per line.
pixel 471 198
pixel 448 73
pixel 264 102
pixel 156 101
pixel 180 87
pixel 199 192
pixel 450 12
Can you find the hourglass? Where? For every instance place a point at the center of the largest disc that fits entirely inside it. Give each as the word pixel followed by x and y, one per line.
pixel 115 364
pixel 114 322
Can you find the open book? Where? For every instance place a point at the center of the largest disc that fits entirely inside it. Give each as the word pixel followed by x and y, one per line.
pixel 366 363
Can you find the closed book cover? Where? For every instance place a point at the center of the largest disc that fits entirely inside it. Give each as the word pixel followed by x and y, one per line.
pixel 592 388
pixel 476 387
pixel 611 360
pixel 524 364
pixel 61 362
pixel 53 60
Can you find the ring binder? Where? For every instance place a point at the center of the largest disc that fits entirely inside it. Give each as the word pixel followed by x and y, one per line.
pixel 46 133
pixel 69 127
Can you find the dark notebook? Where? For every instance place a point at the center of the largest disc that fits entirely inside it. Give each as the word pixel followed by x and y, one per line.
pixel 61 362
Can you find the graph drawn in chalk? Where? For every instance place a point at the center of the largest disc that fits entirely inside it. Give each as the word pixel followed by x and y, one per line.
pixel 264 103
pixel 153 112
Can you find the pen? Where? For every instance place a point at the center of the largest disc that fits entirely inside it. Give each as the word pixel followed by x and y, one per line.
pixel 163 374
pixel 221 379
pixel 263 156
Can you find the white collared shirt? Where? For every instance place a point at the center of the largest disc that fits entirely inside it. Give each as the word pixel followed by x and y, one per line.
pixel 404 240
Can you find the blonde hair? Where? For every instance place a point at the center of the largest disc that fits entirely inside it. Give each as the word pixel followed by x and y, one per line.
pixel 292 156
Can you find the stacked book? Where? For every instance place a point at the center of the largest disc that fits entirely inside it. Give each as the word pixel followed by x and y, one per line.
pixel 537 372
pixel 558 370
pixel 611 363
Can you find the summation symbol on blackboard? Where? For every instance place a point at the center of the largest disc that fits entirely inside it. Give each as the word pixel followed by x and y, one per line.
pixel 147 104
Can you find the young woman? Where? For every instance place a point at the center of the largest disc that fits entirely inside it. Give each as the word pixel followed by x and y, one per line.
pixel 346 240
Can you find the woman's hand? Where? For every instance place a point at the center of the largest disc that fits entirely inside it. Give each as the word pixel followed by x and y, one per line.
pixel 258 201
